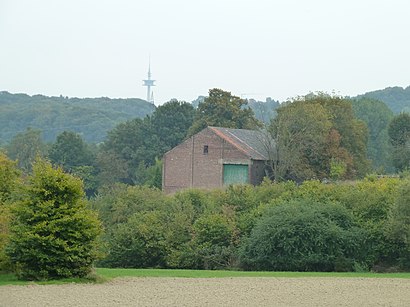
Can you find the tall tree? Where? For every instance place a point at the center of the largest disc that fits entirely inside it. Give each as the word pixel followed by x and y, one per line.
pixel 317 137
pixel 25 147
pixel 140 141
pixel 70 151
pixel 222 109
pixel 377 117
pixel 171 122
pixel 300 131
pixel 399 133
pixel 353 132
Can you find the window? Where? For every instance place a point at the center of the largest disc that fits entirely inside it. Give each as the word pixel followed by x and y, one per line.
pixel 205 149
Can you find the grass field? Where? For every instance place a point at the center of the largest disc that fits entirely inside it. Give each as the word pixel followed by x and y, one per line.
pixel 104 274
pixel 113 273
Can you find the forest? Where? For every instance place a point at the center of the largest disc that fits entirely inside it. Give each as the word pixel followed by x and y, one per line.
pixel 90 117
pixel 336 199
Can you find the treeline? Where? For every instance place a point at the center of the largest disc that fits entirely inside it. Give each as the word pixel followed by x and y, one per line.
pixel 130 153
pixel 351 226
pixel 92 118
pixel 316 137
pixel 314 211
pixel 396 98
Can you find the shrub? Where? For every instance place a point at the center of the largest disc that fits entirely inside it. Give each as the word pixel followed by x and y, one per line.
pixel 399 224
pixel 138 243
pixel 303 236
pixel 116 204
pixel 53 234
pixel 214 238
pixel 9 183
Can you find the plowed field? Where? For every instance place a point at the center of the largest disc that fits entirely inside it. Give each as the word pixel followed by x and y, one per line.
pixel 241 291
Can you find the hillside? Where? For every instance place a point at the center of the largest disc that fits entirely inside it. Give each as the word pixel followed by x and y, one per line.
pixel 396 98
pixel 91 117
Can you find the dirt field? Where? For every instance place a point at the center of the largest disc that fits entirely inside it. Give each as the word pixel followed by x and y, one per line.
pixel 215 292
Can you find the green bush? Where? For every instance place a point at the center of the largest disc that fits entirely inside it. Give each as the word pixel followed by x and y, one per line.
pixel 138 243
pixel 53 234
pixel 9 183
pixel 355 225
pixel 116 204
pixel 303 236
pixel 213 243
pixel 399 224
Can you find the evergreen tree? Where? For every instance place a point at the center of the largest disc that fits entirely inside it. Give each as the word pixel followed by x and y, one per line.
pixel 53 234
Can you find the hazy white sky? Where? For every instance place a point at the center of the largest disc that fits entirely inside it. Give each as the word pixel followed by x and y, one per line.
pixel 253 48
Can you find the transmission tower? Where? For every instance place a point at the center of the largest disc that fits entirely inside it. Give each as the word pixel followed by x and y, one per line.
pixel 148 83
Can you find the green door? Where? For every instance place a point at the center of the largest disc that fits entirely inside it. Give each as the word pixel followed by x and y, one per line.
pixel 235 173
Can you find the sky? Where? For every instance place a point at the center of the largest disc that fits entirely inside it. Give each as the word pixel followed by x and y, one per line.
pixel 251 48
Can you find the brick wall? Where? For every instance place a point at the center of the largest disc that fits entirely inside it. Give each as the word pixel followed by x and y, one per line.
pixel 177 165
pixel 188 166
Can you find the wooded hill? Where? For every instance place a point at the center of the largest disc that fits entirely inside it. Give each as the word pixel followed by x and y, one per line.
pixel 396 98
pixel 90 117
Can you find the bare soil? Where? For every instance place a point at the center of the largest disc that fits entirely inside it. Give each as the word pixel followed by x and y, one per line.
pixel 215 292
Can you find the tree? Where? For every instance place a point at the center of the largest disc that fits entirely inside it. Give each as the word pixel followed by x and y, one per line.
pixel 130 143
pixel 141 141
pixel 222 109
pixel 25 147
pixel 70 151
pixel 151 175
pixel 9 183
pixel 91 117
pixel 53 234
pixel 171 122
pixel 377 117
pixel 353 132
pixel 76 157
pixel 316 135
pixel 399 134
pixel 111 168
pixel 300 131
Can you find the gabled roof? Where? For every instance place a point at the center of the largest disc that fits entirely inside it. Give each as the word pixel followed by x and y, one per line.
pixel 256 144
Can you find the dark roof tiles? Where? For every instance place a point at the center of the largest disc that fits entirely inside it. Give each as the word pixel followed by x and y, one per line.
pixel 256 144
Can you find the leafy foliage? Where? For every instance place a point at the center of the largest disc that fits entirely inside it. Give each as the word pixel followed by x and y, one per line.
pixel 25 147
pixel 396 98
pixel 300 131
pixel 140 141
pixel 264 111
pixel 377 117
pixel 399 230
pixel 313 132
pixel 90 117
pixel 341 226
pixel 70 151
pixel 399 133
pixel 53 234
pixel 303 236
pixel 222 109
pixel 138 243
pixel 9 185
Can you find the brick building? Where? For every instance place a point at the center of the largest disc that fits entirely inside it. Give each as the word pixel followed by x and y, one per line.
pixel 215 157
